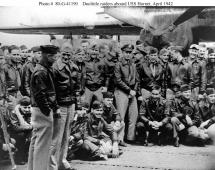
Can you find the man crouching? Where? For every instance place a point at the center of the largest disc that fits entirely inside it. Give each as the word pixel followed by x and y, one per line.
pixel 153 118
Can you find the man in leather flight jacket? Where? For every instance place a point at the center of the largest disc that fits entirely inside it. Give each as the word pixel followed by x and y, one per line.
pixel 44 105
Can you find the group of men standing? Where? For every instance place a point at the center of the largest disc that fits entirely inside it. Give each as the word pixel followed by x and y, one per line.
pixel 155 92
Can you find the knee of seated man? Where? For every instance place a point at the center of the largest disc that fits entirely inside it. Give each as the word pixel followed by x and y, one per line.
pixel 193 131
pixel 108 147
pixel 86 145
pixel 140 125
pixel 168 127
pixel 211 131
pixel 174 120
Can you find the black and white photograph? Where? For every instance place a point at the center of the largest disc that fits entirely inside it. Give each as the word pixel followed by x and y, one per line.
pixel 107 85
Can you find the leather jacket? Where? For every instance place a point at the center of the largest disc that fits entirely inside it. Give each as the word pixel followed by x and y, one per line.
pixel 180 73
pixel 43 94
pixel 65 80
pixel 126 77
pixel 12 76
pixel 95 73
pixel 210 74
pixel 190 108
pixel 198 75
pixel 147 79
pixel 151 110
pixel 28 69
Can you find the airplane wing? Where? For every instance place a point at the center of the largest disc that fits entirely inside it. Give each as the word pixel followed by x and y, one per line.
pixel 76 21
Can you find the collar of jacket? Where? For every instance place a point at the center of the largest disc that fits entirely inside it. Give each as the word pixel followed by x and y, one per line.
pixel 9 63
pixel 124 61
pixel 97 59
pixel 160 101
pixel 186 101
pixel 195 61
pixel 45 64
pixel 154 63
pixel 73 65
pixel 60 64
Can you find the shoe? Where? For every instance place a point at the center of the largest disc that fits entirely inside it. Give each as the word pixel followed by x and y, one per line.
pixel 176 142
pixel 146 143
pixel 100 157
pixel 130 142
pixel 20 162
pixel 70 168
pixel 103 157
pixel 110 155
pixel 122 143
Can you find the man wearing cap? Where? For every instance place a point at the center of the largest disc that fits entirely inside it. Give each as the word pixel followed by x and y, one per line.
pixel 126 88
pixel 20 128
pixel 140 55
pixel 185 116
pixel 96 77
pixel 140 52
pixel 151 73
pixel 28 69
pixel 193 52
pixel 44 109
pixel 12 73
pixel 198 73
pixel 207 112
pixel 65 80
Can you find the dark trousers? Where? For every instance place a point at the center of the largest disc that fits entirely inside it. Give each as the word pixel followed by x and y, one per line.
pixel 22 144
pixel 144 128
pixel 90 149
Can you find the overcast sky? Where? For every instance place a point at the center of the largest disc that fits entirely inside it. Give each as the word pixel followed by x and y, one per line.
pixel 28 40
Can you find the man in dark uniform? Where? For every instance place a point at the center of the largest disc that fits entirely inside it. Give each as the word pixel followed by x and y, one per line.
pixel 44 109
pixel 110 61
pixel 126 88
pixel 179 70
pixel 96 79
pixel 80 57
pixel 198 74
pixel 185 115
pixel 28 69
pixel 12 73
pixel 207 112
pixel 140 53
pixel 153 116
pixel 164 56
pixel 210 67
pixel 151 73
